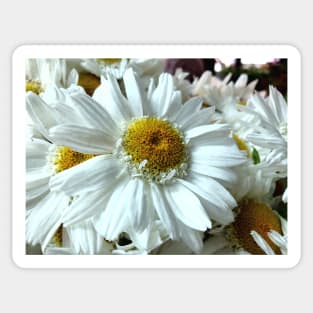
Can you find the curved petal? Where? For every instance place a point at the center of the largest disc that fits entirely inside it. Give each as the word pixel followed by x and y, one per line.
pixel 218 155
pixel 210 190
pixel 262 243
pixel 82 139
pixel 187 207
pixel 84 238
pixel 138 211
pixel 190 107
pixel 161 97
pixel 224 174
pixel 114 219
pixel 135 93
pixel 44 219
pixel 202 117
pixel 94 114
pixel 86 206
pixel 165 214
pixel 96 173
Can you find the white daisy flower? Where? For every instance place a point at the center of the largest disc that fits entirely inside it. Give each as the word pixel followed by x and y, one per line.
pixel 257 229
pixel 46 209
pixel 216 92
pixel 42 72
pixel 272 133
pixel 117 67
pixel 157 158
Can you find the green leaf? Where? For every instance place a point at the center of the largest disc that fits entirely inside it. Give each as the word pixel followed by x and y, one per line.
pixel 256 156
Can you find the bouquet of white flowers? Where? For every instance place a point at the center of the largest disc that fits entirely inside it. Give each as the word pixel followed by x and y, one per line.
pixel 123 157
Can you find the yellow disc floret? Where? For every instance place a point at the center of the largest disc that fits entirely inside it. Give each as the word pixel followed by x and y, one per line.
pixel 66 158
pixel 34 86
pixel 89 82
pixel 259 217
pixel 155 145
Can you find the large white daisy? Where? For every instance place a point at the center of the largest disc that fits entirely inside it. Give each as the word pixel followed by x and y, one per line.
pixel 156 158
pixel 46 209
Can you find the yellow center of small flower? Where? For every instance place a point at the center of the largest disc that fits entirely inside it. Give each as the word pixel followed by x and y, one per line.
pixel 109 61
pixel 34 86
pixel 67 158
pixel 155 145
pixel 89 82
pixel 240 143
pixel 260 218
pixel 242 102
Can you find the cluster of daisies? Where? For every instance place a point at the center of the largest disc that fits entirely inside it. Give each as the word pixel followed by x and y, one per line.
pixel 124 158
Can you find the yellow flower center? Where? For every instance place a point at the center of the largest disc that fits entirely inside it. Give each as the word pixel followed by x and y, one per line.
pixel 155 147
pixel 66 158
pixel 89 82
pixel 109 61
pixel 260 218
pixel 242 102
pixel 58 237
pixel 34 86
pixel 240 143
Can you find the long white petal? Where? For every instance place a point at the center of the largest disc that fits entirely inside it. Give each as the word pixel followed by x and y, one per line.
pixel 187 207
pixel 163 210
pixel 262 243
pixel 114 219
pixel 94 114
pixel 82 139
pixel 135 93
pixel 190 107
pixel 94 174
pixel 162 95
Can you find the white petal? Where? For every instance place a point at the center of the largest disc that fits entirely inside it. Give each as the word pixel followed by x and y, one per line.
pixel 114 219
pixel 192 238
pixel 86 206
pixel 224 174
pixel 120 102
pixel 213 130
pixel 36 153
pixel 219 201
pixel 41 114
pixel 37 183
pixel 190 107
pixel 175 106
pixel 202 117
pixel 94 174
pixel 262 243
pixel 163 210
pixel 135 93
pixel 44 219
pixel 94 114
pixel 162 95
pixel 187 207
pixel 218 155
pixel 82 139
pixel 138 211
pixel 277 239
pixel 84 238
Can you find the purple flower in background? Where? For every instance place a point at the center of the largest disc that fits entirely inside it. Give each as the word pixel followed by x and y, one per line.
pixel 193 66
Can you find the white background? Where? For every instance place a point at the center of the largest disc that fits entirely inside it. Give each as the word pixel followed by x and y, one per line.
pixel 240 22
